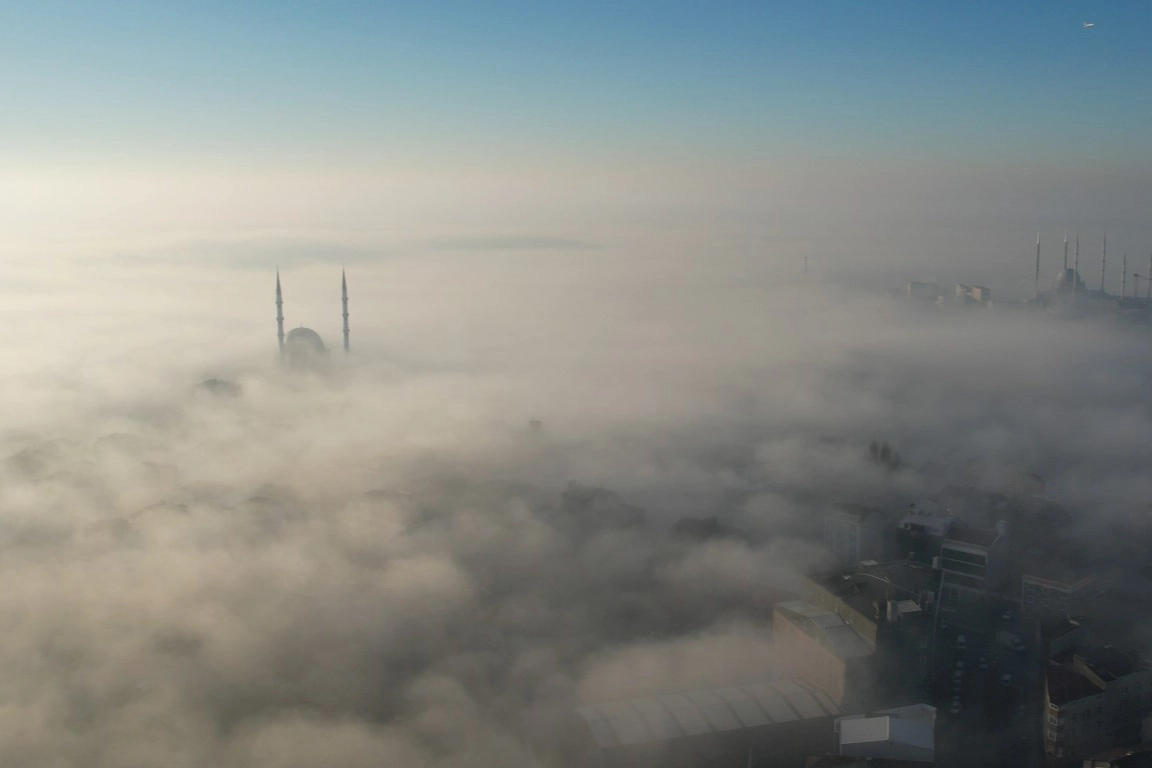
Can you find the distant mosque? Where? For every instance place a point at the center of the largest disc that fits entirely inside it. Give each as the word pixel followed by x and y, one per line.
pixel 1070 290
pixel 303 349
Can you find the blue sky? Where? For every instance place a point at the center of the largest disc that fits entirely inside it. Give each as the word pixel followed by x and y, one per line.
pixel 507 81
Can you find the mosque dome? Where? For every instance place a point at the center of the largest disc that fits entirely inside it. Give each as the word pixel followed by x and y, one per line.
pixel 1066 279
pixel 305 348
pixel 302 348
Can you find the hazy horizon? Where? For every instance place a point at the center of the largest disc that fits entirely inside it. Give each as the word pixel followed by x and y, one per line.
pixel 575 239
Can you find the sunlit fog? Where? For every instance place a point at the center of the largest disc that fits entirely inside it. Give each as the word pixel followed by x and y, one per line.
pixel 383 389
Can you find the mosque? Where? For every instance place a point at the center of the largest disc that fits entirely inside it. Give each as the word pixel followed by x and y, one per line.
pixel 303 349
pixel 1070 293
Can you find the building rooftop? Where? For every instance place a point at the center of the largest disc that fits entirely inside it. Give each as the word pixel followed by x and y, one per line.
pixel 829 629
pixel 1139 756
pixel 1065 686
pixel 1107 662
pixel 886 729
pixel 979 537
pixel 838 761
pixel 860 512
pixel 861 588
pixel 933 525
pixel 694 713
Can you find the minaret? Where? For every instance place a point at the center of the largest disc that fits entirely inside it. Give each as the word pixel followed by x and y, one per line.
pixel 1149 296
pixel 279 314
pixel 1065 251
pixel 1124 276
pixel 1076 267
pixel 1037 265
pixel 344 299
pixel 1103 263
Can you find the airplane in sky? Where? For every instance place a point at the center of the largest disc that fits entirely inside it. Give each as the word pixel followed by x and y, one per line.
pixel 1087 24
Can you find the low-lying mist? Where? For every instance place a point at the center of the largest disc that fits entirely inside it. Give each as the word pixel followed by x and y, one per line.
pixel 406 560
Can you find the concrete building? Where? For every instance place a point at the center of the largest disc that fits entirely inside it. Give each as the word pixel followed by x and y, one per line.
pixel 926 293
pixel 919 534
pixel 853 532
pixel 763 725
pixel 889 606
pixel 1061 637
pixel 816 645
pixel 1059 593
pixel 973 561
pixel 973 296
pixel 1094 699
pixel 902 733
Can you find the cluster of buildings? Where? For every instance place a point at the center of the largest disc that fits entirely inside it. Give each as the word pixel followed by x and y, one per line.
pixel 956 628
pixel 1068 293
pixel 964 628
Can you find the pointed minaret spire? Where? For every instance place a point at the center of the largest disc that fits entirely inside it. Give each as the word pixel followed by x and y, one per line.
pixel 1037 265
pixel 1076 266
pixel 1103 263
pixel 1065 251
pixel 279 314
pixel 344 299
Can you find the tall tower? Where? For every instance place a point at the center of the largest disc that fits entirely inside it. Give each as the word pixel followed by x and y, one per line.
pixel 1076 267
pixel 1149 281
pixel 1124 276
pixel 1037 289
pixel 1103 263
pixel 1065 251
pixel 279 314
pixel 344 300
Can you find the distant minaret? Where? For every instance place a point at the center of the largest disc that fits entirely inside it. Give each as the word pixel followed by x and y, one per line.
pixel 1103 263
pixel 1065 251
pixel 1037 265
pixel 1124 276
pixel 279 314
pixel 1149 295
pixel 344 299
pixel 1076 267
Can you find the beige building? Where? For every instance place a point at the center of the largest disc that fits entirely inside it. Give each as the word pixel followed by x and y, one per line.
pixel 816 645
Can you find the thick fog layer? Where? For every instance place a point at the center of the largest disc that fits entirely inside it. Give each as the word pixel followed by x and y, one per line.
pixel 405 561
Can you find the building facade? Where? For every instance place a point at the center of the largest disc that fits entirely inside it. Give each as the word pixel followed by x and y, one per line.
pixel 1094 699
pixel 816 645
pixel 973 562
pixel 853 533
pixel 1060 597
